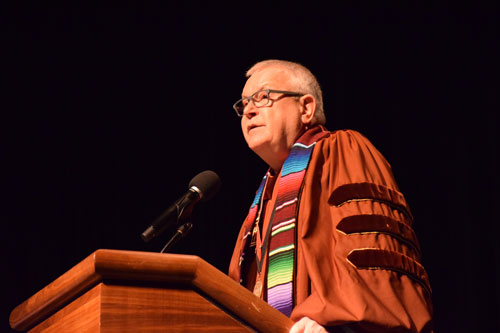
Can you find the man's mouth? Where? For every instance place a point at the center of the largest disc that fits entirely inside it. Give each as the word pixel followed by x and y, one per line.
pixel 251 127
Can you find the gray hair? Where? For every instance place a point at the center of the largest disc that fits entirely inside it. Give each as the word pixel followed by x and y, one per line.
pixel 302 80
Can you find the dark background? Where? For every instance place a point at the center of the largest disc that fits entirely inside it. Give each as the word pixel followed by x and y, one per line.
pixel 109 110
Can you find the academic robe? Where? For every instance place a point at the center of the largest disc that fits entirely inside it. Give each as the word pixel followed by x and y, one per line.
pixel 358 261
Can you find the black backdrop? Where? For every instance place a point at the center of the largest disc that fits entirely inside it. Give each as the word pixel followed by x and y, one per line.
pixel 108 111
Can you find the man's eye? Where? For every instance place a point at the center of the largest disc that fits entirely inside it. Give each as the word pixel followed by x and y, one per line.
pixel 261 95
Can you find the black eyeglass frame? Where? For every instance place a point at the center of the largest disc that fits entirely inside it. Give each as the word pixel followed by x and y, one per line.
pixel 250 98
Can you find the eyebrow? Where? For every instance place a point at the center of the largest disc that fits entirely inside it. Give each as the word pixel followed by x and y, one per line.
pixel 262 87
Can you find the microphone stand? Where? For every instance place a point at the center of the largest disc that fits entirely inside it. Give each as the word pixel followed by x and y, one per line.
pixel 181 232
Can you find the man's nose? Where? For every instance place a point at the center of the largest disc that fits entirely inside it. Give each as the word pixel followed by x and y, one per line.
pixel 250 110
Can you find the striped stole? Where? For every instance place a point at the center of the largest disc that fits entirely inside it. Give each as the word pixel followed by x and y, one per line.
pixel 281 233
pixel 254 209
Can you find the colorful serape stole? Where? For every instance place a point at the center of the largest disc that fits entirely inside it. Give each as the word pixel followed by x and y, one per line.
pixel 254 209
pixel 281 230
pixel 281 271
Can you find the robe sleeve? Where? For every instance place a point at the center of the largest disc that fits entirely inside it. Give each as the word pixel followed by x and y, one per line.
pixel 358 259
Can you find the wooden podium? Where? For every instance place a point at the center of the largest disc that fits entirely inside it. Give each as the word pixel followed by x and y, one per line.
pixel 127 291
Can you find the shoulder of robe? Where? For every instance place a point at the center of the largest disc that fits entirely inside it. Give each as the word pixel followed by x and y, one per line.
pixel 356 170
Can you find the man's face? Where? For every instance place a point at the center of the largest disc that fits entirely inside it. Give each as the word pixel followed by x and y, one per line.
pixel 270 131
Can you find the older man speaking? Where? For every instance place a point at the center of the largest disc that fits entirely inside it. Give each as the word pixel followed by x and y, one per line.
pixel 328 238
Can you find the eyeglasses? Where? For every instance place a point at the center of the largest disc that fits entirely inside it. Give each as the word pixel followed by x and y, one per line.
pixel 259 99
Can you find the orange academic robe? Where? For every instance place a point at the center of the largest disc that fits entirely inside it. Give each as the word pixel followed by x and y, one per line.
pixel 358 260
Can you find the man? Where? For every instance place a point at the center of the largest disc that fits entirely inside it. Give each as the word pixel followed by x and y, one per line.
pixel 327 240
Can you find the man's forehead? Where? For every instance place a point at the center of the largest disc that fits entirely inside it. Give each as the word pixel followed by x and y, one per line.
pixel 266 78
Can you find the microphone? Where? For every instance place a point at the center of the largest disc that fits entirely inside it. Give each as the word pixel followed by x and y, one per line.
pixel 201 188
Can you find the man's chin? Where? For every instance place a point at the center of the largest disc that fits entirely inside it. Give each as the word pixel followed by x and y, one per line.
pixel 256 140
pixel 257 146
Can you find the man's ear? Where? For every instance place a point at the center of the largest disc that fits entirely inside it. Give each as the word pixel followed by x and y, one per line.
pixel 308 108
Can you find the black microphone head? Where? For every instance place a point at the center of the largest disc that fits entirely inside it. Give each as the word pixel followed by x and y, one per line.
pixel 208 182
